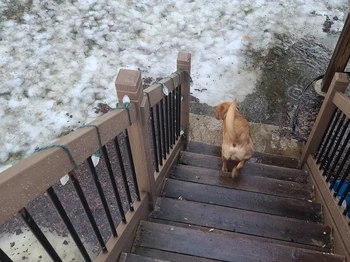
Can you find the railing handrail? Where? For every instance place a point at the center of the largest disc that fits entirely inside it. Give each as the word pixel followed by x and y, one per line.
pixel 155 91
pixel 321 159
pixel 32 176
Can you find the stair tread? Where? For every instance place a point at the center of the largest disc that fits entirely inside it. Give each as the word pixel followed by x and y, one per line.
pixel 210 245
pixel 274 205
pixel 243 221
pixel 243 182
pixel 168 256
pixel 252 169
pixel 264 158
pixel 129 257
pixel 239 235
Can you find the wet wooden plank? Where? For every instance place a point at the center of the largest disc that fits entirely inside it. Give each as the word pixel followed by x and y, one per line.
pixel 215 246
pixel 202 148
pixel 258 157
pixel 234 234
pixel 169 256
pixel 243 221
pixel 138 258
pixel 256 169
pixel 243 182
pixel 252 201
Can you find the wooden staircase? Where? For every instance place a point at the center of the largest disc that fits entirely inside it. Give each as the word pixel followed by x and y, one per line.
pixel 267 214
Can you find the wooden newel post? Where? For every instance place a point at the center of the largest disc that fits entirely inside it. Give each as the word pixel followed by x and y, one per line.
pixel 129 83
pixel 339 84
pixel 184 64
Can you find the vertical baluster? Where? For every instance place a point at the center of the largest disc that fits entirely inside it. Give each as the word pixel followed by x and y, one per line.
pixel 122 169
pixel 342 180
pixel 55 200
pixel 87 209
pixel 171 110
pixel 331 148
pixel 39 234
pixel 331 170
pixel 159 136
pixel 167 124
pixel 174 115
pixel 346 191
pixel 132 166
pixel 176 95
pixel 340 168
pixel 321 144
pixel 102 196
pixel 345 212
pixel 154 140
pixel 163 127
pixel 114 185
pixel 333 151
pixel 328 138
pixel 178 112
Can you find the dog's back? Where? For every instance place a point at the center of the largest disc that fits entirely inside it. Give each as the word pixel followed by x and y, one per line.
pixel 237 143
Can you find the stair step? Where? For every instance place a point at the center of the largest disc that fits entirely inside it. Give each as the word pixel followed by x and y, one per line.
pixel 168 256
pixel 239 235
pixel 211 245
pixel 252 169
pixel 273 205
pixel 243 221
pixel 263 158
pixel 129 257
pixel 243 182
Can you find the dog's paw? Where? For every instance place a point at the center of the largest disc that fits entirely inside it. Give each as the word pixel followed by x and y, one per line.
pixel 224 169
pixel 235 173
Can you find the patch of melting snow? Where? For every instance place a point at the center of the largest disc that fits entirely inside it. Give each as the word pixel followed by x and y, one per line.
pixel 25 247
pixel 59 57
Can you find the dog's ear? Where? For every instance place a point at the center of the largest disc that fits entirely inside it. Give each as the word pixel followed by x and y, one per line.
pixel 221 110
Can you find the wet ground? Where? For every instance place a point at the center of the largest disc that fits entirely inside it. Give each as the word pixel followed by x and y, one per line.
pixel 281 97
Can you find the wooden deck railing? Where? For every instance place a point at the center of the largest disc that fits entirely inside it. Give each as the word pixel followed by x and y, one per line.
pixel 155 138
pixel 326 157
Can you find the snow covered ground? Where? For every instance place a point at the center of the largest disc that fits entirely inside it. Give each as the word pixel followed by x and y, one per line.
pixel 59 58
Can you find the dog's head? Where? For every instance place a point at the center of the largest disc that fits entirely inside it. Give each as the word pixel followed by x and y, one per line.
pixel 221 110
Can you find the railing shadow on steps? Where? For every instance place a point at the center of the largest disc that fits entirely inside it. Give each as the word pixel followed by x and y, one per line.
pixel 151 132
pixel 326 158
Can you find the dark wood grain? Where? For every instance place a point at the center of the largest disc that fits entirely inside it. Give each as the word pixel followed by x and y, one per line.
pixel 252 201
pixel 258 157
pixel 215 246
pixel 243 221
pixel 252 169
pixel 168 256
pixel 138 258
pixel 239 235
pixel 244 182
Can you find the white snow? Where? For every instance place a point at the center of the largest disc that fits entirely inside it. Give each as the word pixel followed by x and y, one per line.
pixel 25 246
pixel 58 59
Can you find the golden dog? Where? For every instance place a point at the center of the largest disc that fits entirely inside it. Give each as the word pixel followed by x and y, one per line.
pixel 236 141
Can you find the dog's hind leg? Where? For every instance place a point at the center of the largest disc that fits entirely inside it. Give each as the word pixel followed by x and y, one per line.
pixel 235 170
pixel 224 162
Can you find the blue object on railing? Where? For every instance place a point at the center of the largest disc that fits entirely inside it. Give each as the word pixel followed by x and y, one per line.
pixel 341 192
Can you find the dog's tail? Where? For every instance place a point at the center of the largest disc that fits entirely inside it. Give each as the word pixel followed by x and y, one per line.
pixel 230 118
